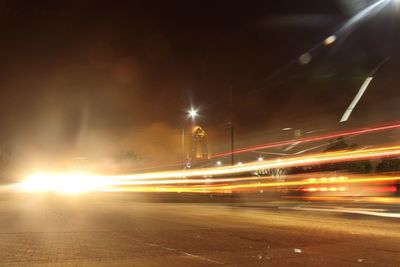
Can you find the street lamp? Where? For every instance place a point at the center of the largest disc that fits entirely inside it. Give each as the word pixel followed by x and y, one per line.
pixel 191 114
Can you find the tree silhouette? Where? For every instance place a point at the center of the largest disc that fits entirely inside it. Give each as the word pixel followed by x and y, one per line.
pixel 389 165
pixel 363 166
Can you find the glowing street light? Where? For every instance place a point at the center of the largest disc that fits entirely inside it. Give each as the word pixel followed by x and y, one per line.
pixel 193 113
pixel 219 163
pixel 260 159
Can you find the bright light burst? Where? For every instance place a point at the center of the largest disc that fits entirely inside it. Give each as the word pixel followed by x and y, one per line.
pixel 63 183
pixel 193 113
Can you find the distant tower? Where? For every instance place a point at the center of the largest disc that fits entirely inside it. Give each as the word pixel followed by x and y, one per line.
pixel 199 144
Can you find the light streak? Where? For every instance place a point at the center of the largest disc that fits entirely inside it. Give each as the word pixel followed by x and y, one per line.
pixel 361 91
pixel 368 11
pixel 303 183
pixel 85 182
pixel 198 181
pixel 356 99
pixel 347 210
pixel 324 179
pixel 187 181
pixel 324 189
pixel 313 139
pixel 313 159
pixel 363 199
pixel 255 186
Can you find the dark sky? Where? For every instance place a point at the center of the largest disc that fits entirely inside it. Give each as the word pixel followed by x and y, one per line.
pixel 91 78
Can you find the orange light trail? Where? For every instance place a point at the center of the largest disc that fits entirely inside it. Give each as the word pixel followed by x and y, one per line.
pixel 188 181
pixel 241 187
pixel 301 183
pixel 87 182
pixel 221 180
pixel 312 159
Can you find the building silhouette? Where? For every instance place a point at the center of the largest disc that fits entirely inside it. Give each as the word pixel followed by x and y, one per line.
pixel 199 145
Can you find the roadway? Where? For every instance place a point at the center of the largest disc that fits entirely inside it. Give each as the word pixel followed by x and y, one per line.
pixel 134 230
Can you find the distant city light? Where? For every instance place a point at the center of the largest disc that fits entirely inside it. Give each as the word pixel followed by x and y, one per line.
pixel 330 40
pixel 260 159
pixel 219 163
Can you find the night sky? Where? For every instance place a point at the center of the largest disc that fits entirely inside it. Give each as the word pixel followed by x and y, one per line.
pixel 91 78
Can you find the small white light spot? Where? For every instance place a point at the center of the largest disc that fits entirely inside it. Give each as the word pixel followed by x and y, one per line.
pixel 330 40
pixel 305 58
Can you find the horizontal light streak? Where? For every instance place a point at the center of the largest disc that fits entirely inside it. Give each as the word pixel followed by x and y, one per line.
pixel 81 182
pixel 238 187
pixel 313 159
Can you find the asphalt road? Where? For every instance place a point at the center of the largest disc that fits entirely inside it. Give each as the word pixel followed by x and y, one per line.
pixel 124 230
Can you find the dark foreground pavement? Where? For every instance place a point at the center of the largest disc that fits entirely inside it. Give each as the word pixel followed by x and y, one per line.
pixel 116 230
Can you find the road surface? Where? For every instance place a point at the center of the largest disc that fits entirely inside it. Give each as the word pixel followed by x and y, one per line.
pixel 124 230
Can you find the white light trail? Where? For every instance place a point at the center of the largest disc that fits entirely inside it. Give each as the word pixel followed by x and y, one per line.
pixel 377 213
pixel 356 99
pixel 368 11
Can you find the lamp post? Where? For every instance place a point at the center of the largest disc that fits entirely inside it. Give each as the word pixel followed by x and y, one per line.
pixel 191 114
